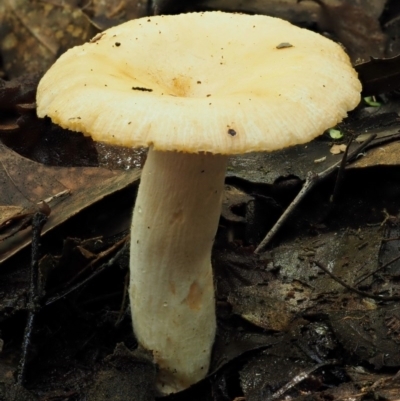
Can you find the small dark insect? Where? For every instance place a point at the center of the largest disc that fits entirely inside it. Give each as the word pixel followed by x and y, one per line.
pixel 117 44
pixel 231 132
pixel 139 88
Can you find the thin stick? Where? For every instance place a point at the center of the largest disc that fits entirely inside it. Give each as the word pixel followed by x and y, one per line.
pixel 340 174
pixel 111 262
pixel 311 180
pixel 377 270
pixel 349 287
pixel 100 257
pixel 38 221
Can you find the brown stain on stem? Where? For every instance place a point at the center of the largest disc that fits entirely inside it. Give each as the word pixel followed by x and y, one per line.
pixel 194 297
pixel 172 287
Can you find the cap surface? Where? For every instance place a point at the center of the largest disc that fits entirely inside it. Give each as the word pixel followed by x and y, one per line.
pixel 216 82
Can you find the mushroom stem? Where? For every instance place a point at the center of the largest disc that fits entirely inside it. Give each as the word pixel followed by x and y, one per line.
pixel 171 287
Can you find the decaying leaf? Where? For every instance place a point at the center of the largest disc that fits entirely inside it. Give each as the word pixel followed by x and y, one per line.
pixel 24 183
pixel 379 75
pixel 254 304
pixel 372 336
pixel 9 212
pixel 124 375
pixel 16 222
pixel 387 155
pixel 234 201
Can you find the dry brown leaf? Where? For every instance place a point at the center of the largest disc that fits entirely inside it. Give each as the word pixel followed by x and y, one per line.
pixel 387 155
pixel 24 183
pixel 9 212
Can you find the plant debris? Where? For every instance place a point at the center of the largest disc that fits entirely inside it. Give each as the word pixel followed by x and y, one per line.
pixel 312 316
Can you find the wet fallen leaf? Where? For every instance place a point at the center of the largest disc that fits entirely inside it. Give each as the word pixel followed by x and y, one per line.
pixel 17 91
pixel 124 375
pixel 379 75
pixel 254 304
pixel 232 343
pixel 233 270
pixel 24 183
pixel 47 143
pixel 267 372
pixel 298 160
pixel 369 335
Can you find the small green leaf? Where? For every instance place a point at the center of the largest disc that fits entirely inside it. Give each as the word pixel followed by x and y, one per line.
pixel 370 100
pixel 335 133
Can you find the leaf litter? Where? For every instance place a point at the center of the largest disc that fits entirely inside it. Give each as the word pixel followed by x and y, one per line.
pixel 25 183
pixel 286 326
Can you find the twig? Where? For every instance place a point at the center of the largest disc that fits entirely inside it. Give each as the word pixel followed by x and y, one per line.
pixel 390 239
pixel 350 288
pixel 340 174
pixel 379 269
pixel 102 268
pixel 102 255
pixel 38 221
pixel 311 180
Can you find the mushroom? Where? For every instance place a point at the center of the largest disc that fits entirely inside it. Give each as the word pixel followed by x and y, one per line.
pixel 194 88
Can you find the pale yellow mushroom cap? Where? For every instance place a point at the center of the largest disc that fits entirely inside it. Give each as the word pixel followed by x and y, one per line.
pixel 215 82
